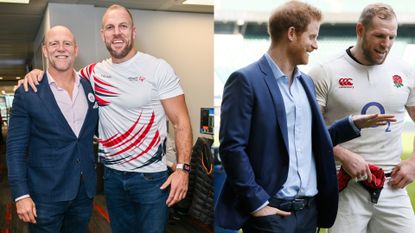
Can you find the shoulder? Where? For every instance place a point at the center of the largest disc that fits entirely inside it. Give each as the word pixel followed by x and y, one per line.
pixel 397 64
pixel 306 77
pixel 249 72
pixel 86 72
pixel 85 82
pixel 141 57
pixel 150 62
pixel 325 65
pixel 323 71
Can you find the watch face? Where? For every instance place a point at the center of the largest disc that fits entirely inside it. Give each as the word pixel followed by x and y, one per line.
pixel 186 167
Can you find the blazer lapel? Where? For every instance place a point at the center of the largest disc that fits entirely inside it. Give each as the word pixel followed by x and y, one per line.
pixel 47 97
pixel 276 98
pixel 90 98
pixel 308 88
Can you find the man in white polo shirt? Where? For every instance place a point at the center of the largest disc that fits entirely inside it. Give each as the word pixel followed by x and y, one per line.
pixel 363 80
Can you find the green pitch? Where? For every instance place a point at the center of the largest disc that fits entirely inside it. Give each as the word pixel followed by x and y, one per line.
pixel 407 142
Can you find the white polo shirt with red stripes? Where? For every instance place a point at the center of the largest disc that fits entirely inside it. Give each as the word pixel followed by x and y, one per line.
pixel 132 121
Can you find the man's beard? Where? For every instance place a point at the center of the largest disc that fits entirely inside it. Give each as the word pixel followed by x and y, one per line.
pixel 122 53
pixel 368 55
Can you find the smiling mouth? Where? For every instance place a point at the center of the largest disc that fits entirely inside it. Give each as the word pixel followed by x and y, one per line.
pixel 61 56
pixel 117 42
pixel 382 53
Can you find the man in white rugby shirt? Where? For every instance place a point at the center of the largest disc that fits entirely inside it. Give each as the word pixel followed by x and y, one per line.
pixel 135 93
pixel 364 80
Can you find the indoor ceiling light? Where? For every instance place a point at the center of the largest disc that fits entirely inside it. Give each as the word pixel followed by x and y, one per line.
pixel 1 78
pixel 15 1
pixel 199 2
pixel 17 77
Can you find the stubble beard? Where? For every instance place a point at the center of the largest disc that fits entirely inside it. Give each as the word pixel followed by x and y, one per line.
pixel 367 53
pixel 121 54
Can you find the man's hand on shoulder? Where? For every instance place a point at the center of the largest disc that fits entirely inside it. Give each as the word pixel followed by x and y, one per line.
pixel 178 182
pixel 31 79
pixel 403 173
pixel 26 210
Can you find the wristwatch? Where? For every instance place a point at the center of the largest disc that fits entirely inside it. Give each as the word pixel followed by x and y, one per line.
pixel 183 166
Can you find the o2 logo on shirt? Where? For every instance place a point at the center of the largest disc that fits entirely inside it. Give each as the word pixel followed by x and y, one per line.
pixel 381 111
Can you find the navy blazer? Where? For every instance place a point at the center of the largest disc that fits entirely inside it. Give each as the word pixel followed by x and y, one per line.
pixel 254 145
pixel 44 157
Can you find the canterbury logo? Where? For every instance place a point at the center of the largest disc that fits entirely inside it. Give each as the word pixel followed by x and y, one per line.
pixel 346 82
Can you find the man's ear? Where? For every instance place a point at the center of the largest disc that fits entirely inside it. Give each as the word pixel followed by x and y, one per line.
pixel 291 34
pixel 44 51
pixel 76 50
pixel 102 35
pixel 360 30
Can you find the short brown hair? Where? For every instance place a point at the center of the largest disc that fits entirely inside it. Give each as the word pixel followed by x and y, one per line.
pixel 291 14
pixel 379 10
pixel 116 7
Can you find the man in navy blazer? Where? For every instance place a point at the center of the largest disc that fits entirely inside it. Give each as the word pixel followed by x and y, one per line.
pixel 50 157
pixel 275 147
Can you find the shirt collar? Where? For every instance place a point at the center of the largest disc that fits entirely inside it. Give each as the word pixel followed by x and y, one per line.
pixel 277 71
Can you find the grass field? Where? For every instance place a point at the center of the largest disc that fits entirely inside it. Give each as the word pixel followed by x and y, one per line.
pixel 407 142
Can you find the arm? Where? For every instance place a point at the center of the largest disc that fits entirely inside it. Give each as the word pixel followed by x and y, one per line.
pixel 235 128
pixel 176 111
pixel 33 78
pixel 404 173
pixel 349 127
pixel 352 163
pixel 17 141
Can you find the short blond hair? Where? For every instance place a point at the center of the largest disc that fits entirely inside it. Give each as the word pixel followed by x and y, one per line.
pixel 379 10
pixel 116 7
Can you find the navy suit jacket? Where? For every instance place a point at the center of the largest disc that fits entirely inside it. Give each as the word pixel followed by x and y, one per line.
pixel 44 157
pixel 254 145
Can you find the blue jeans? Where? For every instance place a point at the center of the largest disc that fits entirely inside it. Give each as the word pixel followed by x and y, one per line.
pixel 64 216
pixel 135 202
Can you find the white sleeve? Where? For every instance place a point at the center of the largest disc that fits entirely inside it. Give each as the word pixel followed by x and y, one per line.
pixel 21 197
pixel 168 84
pixel 321 82
pixel 411 83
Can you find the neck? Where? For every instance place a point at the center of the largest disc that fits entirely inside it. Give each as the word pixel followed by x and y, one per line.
pixel 64 79
pixel 281 57
pixel 130 54
pixel 358 54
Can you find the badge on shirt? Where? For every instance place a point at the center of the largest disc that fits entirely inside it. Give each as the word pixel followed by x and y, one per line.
pixel 91 97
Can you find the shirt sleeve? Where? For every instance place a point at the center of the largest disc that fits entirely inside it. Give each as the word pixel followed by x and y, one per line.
pixel 411 85
pixel 21 197
pixel 321 82
pixel 168 84
pixel 86 72
pixel 262 206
